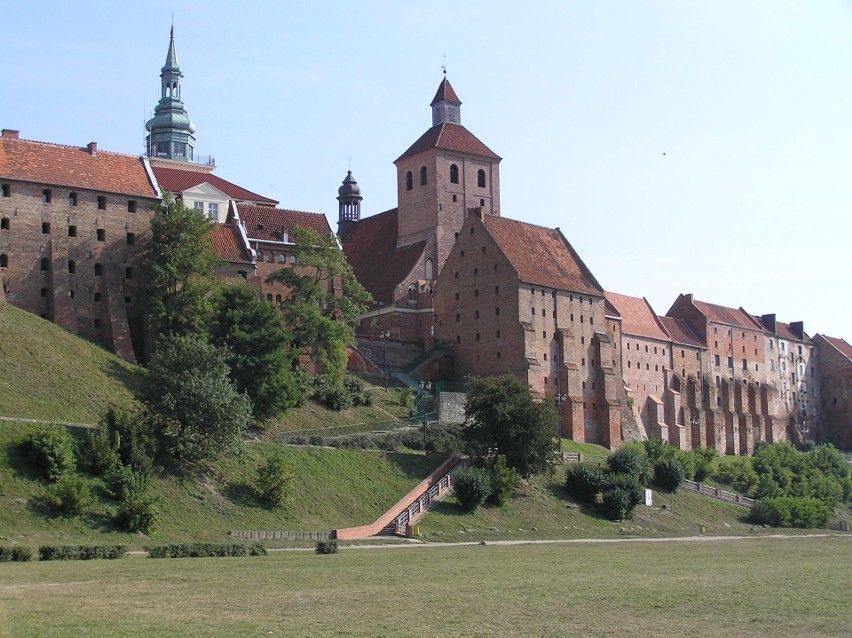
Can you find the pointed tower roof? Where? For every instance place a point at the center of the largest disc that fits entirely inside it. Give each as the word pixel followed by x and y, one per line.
pixel 445 93
pixel 171 57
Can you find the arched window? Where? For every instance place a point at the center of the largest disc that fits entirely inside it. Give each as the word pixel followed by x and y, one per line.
pixel 423 176
pixel 269 297
pixel 454 174
pixel 412 293
pixel 409 181
pixel 480 178
pixel 430 269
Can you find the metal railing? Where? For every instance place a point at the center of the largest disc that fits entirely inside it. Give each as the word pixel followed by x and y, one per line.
pixel 718 493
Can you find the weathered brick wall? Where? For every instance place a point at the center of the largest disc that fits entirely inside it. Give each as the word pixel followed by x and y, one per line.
pixel 451 407
pixel 836 384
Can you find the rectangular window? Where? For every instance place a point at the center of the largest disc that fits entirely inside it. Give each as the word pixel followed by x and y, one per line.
pixel 199 206
pixel 213 210
pixel 128 273
pixel 45 228
pixel 4 223
pixel 242 274
pixel 131 206
pixel 730 362
pixel 72 231
pixel 72 199
pixel 101 234
pixel 131 239
pixel 7 190
pixel 101 202
pixel 716 359
pixel 46 196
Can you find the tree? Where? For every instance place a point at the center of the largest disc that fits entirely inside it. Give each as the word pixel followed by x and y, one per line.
pixel 190 400
pixel 260 356
pixel 503 418
pixel 322 321
pixel 178 264
pixel 276 481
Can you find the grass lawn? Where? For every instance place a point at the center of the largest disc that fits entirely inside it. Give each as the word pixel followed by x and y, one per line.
pixel 760 587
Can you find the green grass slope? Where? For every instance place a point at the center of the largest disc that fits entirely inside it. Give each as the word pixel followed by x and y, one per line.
pixel 48 373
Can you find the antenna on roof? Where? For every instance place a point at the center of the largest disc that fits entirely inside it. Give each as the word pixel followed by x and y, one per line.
pixel 444 65
pixel 349 159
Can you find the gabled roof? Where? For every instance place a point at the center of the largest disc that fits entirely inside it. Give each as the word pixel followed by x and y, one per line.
pixel 541 255
pixel 176 180
pixel 375 259
pixel 722 314
pixel 266 223
pixel 228 244
pixel 840 344
pixel 445 92
pixel 680 332
pixel 637 316
pixel 449 137
pixel 74 167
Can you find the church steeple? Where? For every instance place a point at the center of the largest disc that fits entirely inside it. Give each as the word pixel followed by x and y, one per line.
pixel 170 131
pixel 349 196
pixel 446 106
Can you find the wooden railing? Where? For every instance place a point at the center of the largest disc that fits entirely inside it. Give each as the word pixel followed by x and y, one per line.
pixel 718 492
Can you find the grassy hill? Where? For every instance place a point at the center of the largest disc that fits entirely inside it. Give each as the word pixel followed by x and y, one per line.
pixel 48 373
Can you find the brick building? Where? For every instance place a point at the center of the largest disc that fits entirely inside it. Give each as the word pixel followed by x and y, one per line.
pixel 73 221
pixel 835 376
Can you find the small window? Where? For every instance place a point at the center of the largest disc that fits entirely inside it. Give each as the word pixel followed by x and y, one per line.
pixel 269 297
pixel 242 274
pixel 46 196
pixel 476 292
pixel 131 205
pixel 477 336
pixel 458 338
pixel 476 314
pixel 260 255
pixel 497 311
pixel 101 202
pixel 496 290
pixel 101 234
pixel 72 231
pixel 457 296
pixel 4 223
pixel 44 292
pixel 423 176
pixel 128 273
pixel 97 297
pixel 4 260
pixel 454 174
pixel 45 228
pixel 482 202
pixel 270 257
pixel 96 323
pixel 455 199
pixel 409 181
pixel 480 178
pixel 278 299
pixel 7 190
pixel 72 199
pixel 282 258
pixel 131 239
pixel 293 259
pixel 458 317
pixel 71 293
pixel 99 270
pixel 44 264
pixel 498 334
pixel 72 266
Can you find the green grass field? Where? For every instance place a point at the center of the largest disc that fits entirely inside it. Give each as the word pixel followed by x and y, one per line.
pixel 756 587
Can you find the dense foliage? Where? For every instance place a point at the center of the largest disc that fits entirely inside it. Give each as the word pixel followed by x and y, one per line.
pixel 504 481
pixel 472 486
pixel 50 453
pixel 669 473
pixel 276 481
pixel 71 495
pixel 502 418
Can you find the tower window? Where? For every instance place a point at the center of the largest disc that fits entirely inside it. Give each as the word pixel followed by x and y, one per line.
pixel 128 273
pixel 97 297
pixel 423 176
pixel 44 292
pixel 72 231
pixel 46 196
pixel 101 234
pixel 7 190
pixel 72 266
pixel 131 239
pixel 44 264
pixel 409 181
pixel 4 260
pixel 454 174
pixel 480 178
pixel 131 205
pixel 4 223
pixel 45 228
pixel 99 270
pixel 72 199
pixel 101 202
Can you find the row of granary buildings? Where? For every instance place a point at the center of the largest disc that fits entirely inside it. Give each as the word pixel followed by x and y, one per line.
pixel 458 289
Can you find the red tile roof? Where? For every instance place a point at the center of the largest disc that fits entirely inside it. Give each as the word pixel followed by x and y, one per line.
pixel 542 255
pixel 376 261
pixel 228 244
pixel 445 92
pixel 841 345
pixel 449 137
pixel 74 167
pixel 637 316
pixel 680 332
pixel 722 314
pixel 266 223
pixel 176 180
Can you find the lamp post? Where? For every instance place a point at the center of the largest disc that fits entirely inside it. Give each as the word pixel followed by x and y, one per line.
pixel 426 386
pixel 384 335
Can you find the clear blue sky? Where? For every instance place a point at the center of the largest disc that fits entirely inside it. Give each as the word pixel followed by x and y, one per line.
pixel 699 147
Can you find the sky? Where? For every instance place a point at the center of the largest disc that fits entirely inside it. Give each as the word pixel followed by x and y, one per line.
pixel 681 147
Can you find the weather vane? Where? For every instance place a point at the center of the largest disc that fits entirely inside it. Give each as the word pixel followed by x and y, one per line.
pixel 444 65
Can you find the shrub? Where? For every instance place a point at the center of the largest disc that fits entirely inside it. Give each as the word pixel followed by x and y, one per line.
pixel 629 460
pixel 656 449
pixel 81 552
pixel 359 395
pixel 704 458
pixel 406 399
pixel 504 481
pixel 739 474
pixel 326 547
pixel 137 512
pixel 276 482
pixel 71 495
pixel 473 487
pixel 616 504
pixel 333 396
pixel 629 484
pixel 790 512
pixel 50 452
pixel 257 550
pixel 669 473
pixel 199 550
pixel 131 438
pixel 584 481
pixel 122 480
pixel 97 451
pixel 444 438
pixel 16 553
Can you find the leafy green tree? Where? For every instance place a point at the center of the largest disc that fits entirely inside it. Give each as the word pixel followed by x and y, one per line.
pixel 50 452
pixel 276 481
pixel 190 401
pixel 504 481
pixel 259 352
pixel 630 460
pixel 323 321
pixel 472 486
pixel 502 417
pixel 71 495
pixel 178 264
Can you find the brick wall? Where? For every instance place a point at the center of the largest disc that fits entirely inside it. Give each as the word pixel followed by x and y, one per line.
pixel 836 384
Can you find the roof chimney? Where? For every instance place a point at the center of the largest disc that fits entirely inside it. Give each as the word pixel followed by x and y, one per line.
pixel 798 329
pixel 769 322
pixel 10 134
pixel 93 149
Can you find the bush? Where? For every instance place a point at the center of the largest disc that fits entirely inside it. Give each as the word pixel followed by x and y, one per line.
pixel 81 552
pixel 584 481
pixel 504 481
pixel 790 512
pixel 739 474
pixel 71 495
pixel 616 504
pixel 669 473
pixel 122 480
pixel 333 396
pixel 257 550
pixel 50 452
pixel 200 550
pixel 276 482
pixel 131 438
pixel 704 458
pixel 137 512
pixel 326 547
pixel 16 554
pixel 629 484
pixel 97 451
pixel 444 438
pixel 629 460
pixel 359 395
pixel 473 487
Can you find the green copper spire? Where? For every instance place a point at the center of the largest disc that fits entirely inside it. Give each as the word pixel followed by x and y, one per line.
pixel 170 131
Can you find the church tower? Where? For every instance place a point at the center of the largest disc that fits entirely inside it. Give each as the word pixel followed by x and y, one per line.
pixel 442 177
pixel 349 213
pixel 170 132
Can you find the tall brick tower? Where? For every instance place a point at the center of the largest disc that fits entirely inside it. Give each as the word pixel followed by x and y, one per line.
pixel 170 132
pixel 443 175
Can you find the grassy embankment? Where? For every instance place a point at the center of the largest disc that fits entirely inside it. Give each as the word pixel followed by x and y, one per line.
pixel 708 588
